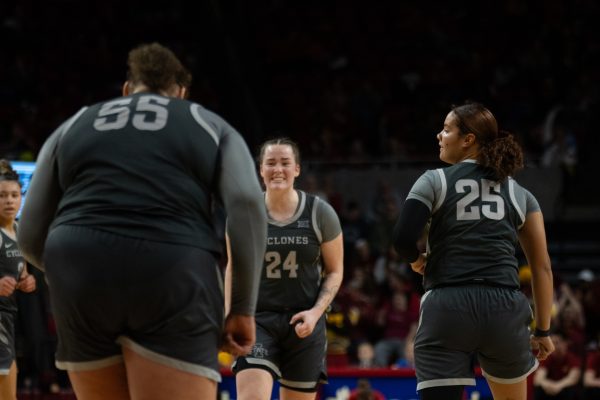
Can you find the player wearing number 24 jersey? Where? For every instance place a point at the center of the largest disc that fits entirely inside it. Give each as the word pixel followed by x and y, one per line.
pixel 473 215
pixel 302 271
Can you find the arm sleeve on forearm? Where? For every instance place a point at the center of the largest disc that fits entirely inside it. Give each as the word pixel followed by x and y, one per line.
pixel 246 221
pixel 408 229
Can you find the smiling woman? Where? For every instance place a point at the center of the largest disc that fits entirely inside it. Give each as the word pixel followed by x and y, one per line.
pixel 302 271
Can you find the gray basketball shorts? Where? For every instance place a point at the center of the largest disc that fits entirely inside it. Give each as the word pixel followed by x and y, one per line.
pixel 163 301
pixel 7 341
pixel 298 364
pixel 462 325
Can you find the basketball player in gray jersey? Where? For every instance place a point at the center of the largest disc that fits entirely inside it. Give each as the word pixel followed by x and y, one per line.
pixel 302 271
pixel 119 214
pixel 13 276
pixel 473 214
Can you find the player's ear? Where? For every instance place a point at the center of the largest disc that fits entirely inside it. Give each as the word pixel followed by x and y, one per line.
pixel 469 139
pixel 126 90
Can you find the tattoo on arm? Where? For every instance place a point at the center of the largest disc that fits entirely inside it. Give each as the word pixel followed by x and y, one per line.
pixel 326 294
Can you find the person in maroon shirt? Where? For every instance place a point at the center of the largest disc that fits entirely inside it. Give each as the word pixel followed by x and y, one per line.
pixel 398 317
pixel 558 375
pixel 591 377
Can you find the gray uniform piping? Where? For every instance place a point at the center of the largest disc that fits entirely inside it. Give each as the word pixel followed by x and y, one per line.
pixel 446 382
pixel 293 217
pixel 513 199
pixel 512 380
pixel 266 363
pixel 443 188
pixel 195 110
pixel 170 361
pixel 314 219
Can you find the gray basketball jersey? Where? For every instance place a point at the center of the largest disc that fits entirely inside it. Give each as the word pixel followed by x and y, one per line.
pixel 473 225
pixel 12 264
pixel 292 269
pixel 148 172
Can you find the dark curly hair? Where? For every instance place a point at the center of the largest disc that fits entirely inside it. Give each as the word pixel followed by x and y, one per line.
pixel 156 67
pixel 7 173
pixel 499 150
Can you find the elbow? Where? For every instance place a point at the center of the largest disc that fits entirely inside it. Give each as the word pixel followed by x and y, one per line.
pixel 406 247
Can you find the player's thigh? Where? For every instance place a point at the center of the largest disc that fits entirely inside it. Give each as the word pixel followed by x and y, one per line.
pixel 101 383
pixel 254 384
pixel 150 380
pixel 8 383
pixel 513 391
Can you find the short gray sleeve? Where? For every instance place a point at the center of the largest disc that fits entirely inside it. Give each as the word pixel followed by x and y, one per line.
pixel 424 189
pixel 327 221
pixel 531 202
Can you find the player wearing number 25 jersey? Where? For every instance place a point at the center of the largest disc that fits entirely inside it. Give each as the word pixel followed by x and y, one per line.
pixel 473 214
pixel 119 212
pixel 302 271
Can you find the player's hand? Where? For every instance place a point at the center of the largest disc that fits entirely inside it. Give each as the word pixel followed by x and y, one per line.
pixel 239 334
pixel 27 283
pixel 304 322
pixel 542 346
pixel 419 265
pixel 8 284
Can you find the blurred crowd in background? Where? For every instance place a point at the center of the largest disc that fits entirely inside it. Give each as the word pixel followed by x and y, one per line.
pixel 354 85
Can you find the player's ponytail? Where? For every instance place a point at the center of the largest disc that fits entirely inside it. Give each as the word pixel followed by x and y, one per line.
pixel 498 150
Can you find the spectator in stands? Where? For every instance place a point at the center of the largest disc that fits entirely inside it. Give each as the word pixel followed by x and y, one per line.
pixel 591 376
pixel 398 318
pixel 365 354
pixel 558 375
pixel 359 298
pixel 364 391
pixel 338 336
pixel 355 228
pixel 570 319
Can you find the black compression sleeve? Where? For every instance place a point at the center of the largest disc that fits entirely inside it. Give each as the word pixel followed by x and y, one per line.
pixel 409 228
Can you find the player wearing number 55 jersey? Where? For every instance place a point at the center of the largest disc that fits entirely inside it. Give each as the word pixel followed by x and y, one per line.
pixel 302 271
pixel 119 212
pixel 472 307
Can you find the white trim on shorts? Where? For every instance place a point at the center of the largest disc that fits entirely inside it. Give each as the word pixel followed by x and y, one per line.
pixel 4 371
pixel 170 361
pixel 266 363
pixel 299 384
pixel 446 382
pixel 511 380
pixel 89 365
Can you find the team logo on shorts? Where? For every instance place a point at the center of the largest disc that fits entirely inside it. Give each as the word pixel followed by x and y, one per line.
pixel 259 351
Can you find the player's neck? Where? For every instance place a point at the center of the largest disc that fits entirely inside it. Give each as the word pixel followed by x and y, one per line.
pixel 281 205
pixel 7 225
